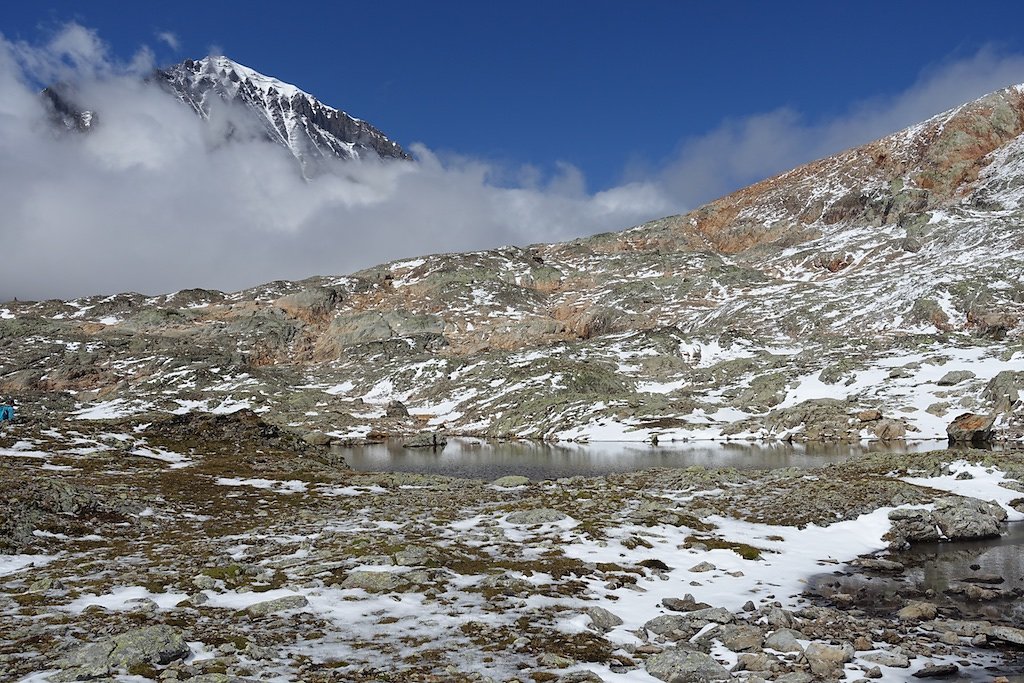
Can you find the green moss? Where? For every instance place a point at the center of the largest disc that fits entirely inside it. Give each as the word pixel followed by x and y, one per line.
pixel 744 550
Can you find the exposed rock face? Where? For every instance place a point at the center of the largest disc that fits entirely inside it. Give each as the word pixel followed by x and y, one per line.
pixel 312 131
pixel 805 308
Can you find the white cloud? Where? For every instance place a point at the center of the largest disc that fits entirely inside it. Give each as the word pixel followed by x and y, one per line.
pixel 740 152
pixel 169 39
pixel 144 202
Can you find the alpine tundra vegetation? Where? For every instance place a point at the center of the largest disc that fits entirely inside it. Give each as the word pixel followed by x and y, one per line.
pixel 176 503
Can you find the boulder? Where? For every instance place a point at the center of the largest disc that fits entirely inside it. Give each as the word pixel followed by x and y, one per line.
pixel 741 637
pixel 1003 390
pixel 685 604
pixel 668 625
pixel 970 428
pixel 961 518
pixel 827 660
pixel 1006 634
pixel 888 429
pixel 427 440
pixel 602 619
pixel 148 645
pixel 511 481
pixel 887 658
pixel 954 377
pixel 396 409
pixel 374 582
pixel 757 661
pixel 537 516
pixel 911 525
pixel 954 518
pixel 936 671
pixel 580 677
pixel 785 640
pixel 680 665
pixel 917 611
pixel 262 609
pixel 316 439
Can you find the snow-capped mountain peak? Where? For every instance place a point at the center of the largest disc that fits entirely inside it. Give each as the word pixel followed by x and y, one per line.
pixel 310 129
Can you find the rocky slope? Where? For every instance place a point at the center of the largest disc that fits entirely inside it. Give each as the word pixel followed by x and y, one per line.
pixel 210 550
pixel 873 294
pixel 246 103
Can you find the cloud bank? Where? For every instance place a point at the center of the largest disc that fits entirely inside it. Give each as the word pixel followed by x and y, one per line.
pixel 743 151
pixel 145 202
pixel 148 202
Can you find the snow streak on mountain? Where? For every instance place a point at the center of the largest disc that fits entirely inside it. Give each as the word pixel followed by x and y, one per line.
pixel 310 129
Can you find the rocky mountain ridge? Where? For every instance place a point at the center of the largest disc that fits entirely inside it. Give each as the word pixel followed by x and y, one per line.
pixel 247 104
pixel 873 294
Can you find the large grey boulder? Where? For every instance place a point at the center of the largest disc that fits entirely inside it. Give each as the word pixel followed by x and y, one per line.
pixel 785 640
pixel 954 518
pixel 827 661
pixel 954 377
pixel 374 582
pixel 960 517
pixel 674 626
pixel 887 658
pixel 680 665
pixel 396 408
pixel 911 525
pixel 537 516
pixel 602 619
pixel 1007 634
pixel 741 637
pixel 1003 390
pixel 266 607
pixel 917 610
pixel 147 645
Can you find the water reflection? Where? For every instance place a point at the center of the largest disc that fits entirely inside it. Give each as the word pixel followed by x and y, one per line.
pixel 477 459
pixel 941 573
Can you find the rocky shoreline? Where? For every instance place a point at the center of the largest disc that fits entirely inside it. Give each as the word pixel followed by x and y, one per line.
pixel 245 553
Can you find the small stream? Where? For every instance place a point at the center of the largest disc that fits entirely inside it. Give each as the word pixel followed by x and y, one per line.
pixel 478 459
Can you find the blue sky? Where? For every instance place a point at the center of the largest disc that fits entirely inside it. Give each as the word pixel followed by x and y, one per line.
pixel 609 87
pixel 531 122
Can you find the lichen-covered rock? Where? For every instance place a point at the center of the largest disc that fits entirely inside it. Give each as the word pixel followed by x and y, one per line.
pixel 511 481
pixel 536 516
pixel 427 440
pixel 396 408
pixel 961 518
pixel 374 582
pixel 261 609
pixel 953 518
pixel 889 429
pixel 147 645
pixel 680 665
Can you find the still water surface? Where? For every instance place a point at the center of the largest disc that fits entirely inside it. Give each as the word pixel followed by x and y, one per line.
pixel 476 459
